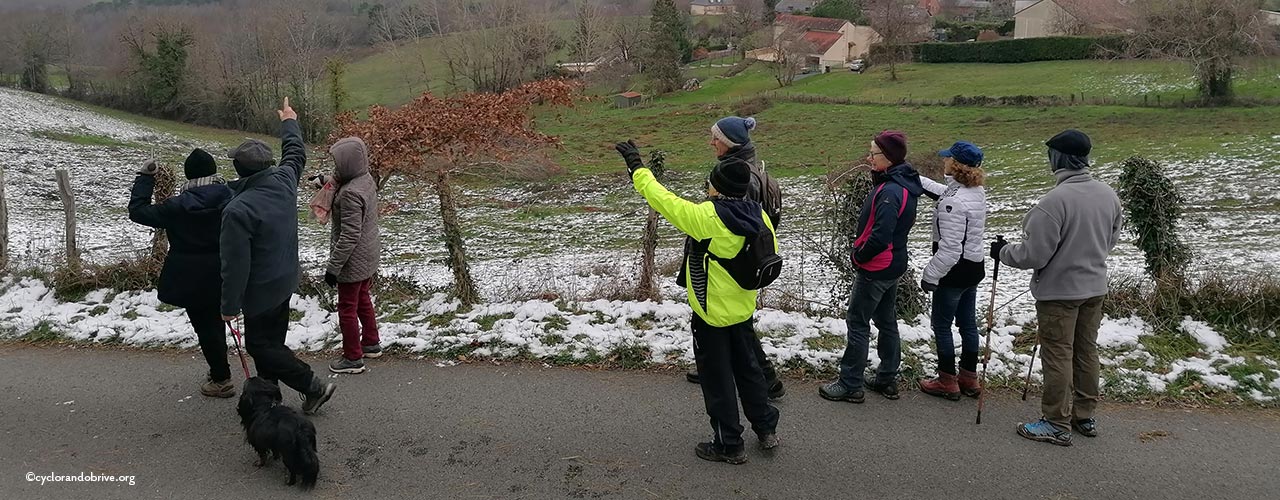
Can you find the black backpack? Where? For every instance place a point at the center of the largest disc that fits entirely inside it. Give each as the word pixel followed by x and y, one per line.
pixel 757 265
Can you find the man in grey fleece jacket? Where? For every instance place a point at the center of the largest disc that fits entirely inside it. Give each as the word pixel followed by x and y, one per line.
pixel 1066 240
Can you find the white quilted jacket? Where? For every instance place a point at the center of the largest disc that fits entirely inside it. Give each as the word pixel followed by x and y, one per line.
pixel 958 226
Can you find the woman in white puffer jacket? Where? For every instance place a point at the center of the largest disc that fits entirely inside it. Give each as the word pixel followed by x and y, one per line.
pixel 956 269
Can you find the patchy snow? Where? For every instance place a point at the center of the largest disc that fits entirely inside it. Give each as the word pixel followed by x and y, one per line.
pixel 1204 334
pixel 587 330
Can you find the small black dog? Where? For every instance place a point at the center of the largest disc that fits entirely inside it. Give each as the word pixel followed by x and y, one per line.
pixel 270 426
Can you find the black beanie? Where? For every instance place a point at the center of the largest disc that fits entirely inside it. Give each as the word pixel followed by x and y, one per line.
pixel 893 144
pixel 1072 142
pixel 732 178
pixel 199 164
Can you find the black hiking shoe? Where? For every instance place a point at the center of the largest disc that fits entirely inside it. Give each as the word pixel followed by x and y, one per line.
pixel 712 453
pixel 371 351
pixel 777 390
pixel 1087 427
pixel 692 376
pixel 311 403
pixel 769 441
pixel 836 391
pixel 887 389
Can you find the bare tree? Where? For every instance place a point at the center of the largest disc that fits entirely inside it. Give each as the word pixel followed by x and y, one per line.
pixel 898 23
pixel 508 43
pixel 625 36
pixel 1065 24
pixel 588 32
pixel 790 52
pixel 1214 36
pixel 741 24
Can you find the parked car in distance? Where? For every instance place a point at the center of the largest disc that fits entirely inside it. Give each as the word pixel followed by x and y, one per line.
pixel 857 65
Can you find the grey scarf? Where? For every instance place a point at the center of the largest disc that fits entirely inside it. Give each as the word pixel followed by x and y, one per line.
pixel 203 181
pixel 1059 160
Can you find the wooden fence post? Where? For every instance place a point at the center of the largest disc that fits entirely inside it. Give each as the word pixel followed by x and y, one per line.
pixel 4 225
pixel 69 208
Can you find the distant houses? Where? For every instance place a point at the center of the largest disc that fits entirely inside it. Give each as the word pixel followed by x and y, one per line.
pixel 1071 17
pixel 831 42
pixel 711 7
pixel 795 6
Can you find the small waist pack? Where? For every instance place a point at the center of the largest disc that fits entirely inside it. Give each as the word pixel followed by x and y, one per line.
pixel 882 260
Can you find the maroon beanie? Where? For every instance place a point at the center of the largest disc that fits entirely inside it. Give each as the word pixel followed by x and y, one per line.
pixel 894 145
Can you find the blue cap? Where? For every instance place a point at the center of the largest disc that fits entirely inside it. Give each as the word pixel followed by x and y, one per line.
pixel 964 152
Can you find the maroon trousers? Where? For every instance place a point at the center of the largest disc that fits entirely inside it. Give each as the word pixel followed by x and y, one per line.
pixel 356 318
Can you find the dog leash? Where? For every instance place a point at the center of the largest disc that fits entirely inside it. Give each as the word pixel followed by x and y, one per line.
pixel 239 350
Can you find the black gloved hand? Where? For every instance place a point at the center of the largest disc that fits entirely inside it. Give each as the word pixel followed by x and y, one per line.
pixel 149 168
pixel 996 247
pixel 928 287
pixel 318 181
pixel 631 154
pixel 331 279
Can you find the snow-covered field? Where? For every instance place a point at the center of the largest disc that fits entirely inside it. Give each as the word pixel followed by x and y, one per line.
pixel 573 240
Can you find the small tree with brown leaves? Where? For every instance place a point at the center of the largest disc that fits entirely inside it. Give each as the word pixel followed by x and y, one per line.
pixel 433 140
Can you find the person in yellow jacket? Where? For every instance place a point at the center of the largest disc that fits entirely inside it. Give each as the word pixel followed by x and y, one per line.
pixel 722 310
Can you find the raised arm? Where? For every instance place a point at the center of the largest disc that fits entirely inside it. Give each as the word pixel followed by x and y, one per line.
pixel 293 152
pixel 689 217
pixel 141 210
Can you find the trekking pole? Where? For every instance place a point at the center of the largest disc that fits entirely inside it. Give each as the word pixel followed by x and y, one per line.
pixel 239 350
pixel 991 326
pixel 1027 383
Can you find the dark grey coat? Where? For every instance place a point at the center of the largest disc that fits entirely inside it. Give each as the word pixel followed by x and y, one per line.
pixel 259 240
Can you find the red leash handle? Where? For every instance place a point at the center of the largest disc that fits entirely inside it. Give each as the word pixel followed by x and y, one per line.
pixel 239 350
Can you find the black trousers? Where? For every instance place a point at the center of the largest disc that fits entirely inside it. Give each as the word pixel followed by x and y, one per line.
pixel 264 339
pixel 728 366
pixel 212 334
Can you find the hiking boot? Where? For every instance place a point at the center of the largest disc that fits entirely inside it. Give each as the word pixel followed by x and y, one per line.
pixel 311 403
pixel 692 376
pixel 769 441
pixel 350 366
pixel 969 385
pixel 776 390
pixel 372 351
pixel 887 389
pixel 218 389
pixel 836 391
pixel 1087 427
pixel 712 453
pixel 1045 432
pixel 945 386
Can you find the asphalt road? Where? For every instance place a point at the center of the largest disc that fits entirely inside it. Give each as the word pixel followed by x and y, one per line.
pixel 410 429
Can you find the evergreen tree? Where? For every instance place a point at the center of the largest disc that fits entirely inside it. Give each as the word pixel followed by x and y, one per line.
pixel 668 44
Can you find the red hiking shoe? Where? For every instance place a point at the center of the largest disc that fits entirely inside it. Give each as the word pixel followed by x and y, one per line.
pixel 969 385
pixel 945 386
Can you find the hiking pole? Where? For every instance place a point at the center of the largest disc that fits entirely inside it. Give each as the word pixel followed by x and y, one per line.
pixel 235 334
pixel 1027 383
pixel 991 326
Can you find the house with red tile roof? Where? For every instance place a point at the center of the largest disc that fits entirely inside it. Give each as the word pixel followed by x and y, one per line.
pixel 830 43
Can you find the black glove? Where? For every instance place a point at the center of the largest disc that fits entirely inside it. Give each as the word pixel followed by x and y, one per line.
pixel 996 247
pixel 928 287
pixel 149 168
pixel 318 181
pixel 331 279
pixel 631 154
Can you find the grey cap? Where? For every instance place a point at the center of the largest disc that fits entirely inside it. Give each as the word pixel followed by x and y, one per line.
pixel 252 154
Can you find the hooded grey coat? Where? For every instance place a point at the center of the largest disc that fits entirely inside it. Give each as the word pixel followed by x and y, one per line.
pixel 353 242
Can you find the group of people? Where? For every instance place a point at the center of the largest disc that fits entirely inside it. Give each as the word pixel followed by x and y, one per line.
pixel 1067 237
pixel 233 252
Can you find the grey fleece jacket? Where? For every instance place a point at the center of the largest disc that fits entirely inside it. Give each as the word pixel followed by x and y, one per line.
pixel 353 242
pixel 1067 237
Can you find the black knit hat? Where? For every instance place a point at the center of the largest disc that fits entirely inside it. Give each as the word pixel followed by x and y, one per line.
pixel 893 144
pixel 1072 142
pixel 199 164
pixel 732 178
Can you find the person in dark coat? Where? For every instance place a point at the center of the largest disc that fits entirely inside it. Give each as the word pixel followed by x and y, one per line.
pixel 190 278
pixel 880 255
pixel 259 247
